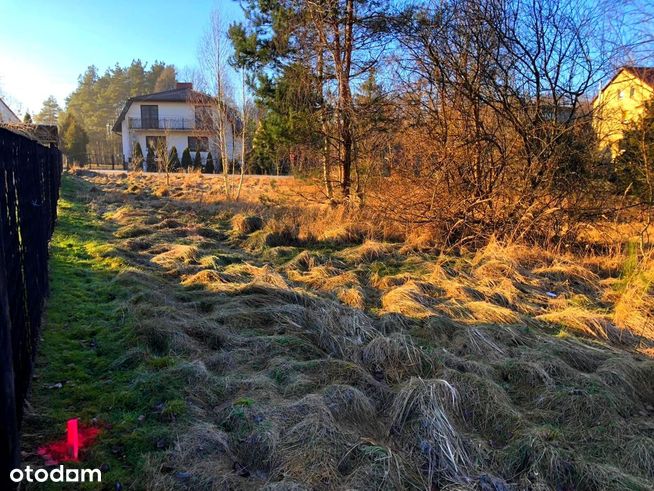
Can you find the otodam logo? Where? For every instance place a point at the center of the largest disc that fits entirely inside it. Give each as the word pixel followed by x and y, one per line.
pixel 66 450
pixel 57 474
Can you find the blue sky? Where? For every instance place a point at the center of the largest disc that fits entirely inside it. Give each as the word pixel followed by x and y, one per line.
pixel 46 44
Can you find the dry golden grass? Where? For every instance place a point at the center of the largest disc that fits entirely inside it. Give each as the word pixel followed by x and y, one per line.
pixel 175 256
pixel 319 354
pixel 370 250
pixel 634 309
pixel 246 224
pixel 411 299
pixel 581 321
pixel 488 313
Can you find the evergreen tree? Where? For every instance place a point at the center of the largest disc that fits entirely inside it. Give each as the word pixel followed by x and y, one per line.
pixel 99 97
pixel 137 157
pixel 266 145
pixel 208 167
pixel 137 79
pixel 49 113
pixel 634 166
pixel 73 139
pixel 300 49
pixel 187 162
pixel 197 162
pixel 27 119
pixel 166 80
pixel 150 164
pixel 153 74
pixel 174 164
pixel 372 127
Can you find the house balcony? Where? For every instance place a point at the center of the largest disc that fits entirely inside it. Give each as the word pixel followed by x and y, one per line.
pixel 169 124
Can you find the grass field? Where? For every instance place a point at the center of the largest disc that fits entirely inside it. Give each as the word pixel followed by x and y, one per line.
pixel 271 344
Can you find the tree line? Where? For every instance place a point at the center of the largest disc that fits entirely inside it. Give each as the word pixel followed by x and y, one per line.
pixel 472 117
pixel 93 107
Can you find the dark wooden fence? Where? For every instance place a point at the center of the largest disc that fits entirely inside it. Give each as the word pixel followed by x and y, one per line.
pixel 30 174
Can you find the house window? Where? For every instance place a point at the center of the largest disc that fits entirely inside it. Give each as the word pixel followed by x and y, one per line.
pixel 149 116
pixel 621 94
pixel 632 92
pixel 156 143
pixel 198 143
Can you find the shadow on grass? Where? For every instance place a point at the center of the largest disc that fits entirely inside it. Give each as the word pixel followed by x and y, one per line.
pixel 88 358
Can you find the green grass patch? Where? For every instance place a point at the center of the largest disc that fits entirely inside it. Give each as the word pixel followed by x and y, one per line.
pixel 88 345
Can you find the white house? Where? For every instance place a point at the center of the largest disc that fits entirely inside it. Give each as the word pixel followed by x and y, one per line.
pixel 181 117
pixel 6 114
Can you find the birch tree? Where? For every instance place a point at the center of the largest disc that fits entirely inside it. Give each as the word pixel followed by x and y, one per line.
pixel 214 55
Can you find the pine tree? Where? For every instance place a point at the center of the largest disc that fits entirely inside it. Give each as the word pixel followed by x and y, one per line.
pixel 265 145
pixel 49 113
pixel 197 162
pixel 166 80
pixel 100 95
pixel 137 79
pixel 150 164
pixel 173 161
pixel 634 166
pixel 137 157
pixel 27 119
pixel 187 162
pixel 279 39
pixel 208 167
pixel 73 139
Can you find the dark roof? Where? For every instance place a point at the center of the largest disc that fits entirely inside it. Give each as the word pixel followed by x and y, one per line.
pixel 45 134
pixel 644 73
pixel 184 94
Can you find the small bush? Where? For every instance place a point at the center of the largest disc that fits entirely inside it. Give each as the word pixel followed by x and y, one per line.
pixel 208 166
pixel 150 164
pixel 197 162
pixel 174 164
pixel 187 162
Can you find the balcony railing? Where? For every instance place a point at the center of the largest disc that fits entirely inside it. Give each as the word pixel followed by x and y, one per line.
pixel 174 124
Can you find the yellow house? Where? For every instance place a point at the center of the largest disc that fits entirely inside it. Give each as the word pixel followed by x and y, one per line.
pixel 621 101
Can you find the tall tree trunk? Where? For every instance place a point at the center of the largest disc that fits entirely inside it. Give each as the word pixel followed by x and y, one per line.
pixel 326 170
pixel 342 54
pixel 346 149
pixel 244 123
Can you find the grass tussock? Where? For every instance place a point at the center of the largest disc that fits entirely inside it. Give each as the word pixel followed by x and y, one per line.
pixel 586 323
pixel 369 251
pixel 246 224
pixel 414 299
pixel 176 255
pixel 422 418
pixel 272 346
pixel 634 308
